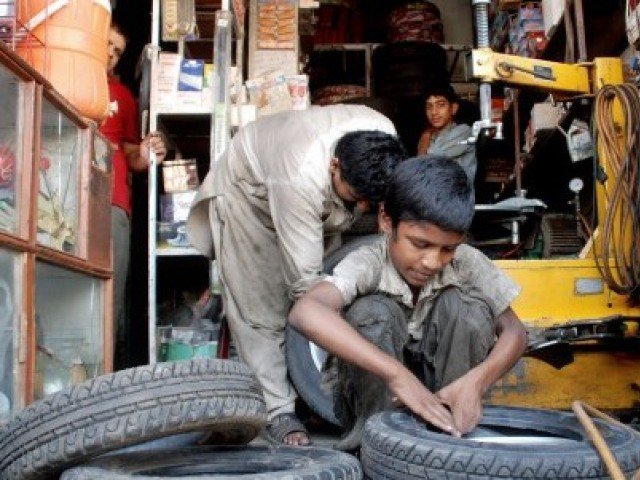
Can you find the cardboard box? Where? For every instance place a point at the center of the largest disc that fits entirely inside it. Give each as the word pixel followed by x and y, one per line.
pixel 174 210
pixel 166 81
pixel 180 175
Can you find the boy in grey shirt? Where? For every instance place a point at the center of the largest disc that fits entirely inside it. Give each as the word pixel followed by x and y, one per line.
pixel 428 322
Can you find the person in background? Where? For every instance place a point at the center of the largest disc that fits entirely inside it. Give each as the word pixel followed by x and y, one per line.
pixel 443 135
pixel 286 183
pixel 427 319
pixel 130 155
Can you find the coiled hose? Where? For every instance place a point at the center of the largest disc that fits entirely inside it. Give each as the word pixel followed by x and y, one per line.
pixel 618 251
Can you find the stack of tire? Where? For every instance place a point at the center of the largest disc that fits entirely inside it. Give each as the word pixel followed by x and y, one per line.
pixel 419 21
pixel 406 67
pixel 508 443
pixel 214 402
pixel 332 94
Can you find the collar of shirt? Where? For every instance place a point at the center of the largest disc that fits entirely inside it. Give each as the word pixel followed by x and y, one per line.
pixel 394 285
pixel 444 132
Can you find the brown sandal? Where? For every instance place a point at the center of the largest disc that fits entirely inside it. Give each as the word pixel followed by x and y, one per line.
pixel 283 425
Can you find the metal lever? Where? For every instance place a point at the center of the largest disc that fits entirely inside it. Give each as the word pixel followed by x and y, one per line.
pixel 545 73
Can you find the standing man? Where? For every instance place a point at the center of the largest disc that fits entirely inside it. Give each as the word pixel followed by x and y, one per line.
pixel 443 136
pixel 121 129
pixel 286 182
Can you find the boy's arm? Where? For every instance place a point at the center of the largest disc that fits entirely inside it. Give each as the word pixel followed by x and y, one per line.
pixel 138 155
pixel 464 396
pixel 317 316
pixel 423 144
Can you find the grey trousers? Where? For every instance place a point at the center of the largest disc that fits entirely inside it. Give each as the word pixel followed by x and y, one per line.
pixel 121 238
pixel 254 295
pixel 458 334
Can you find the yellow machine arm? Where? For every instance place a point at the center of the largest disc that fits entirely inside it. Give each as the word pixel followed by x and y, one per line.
pixel 489 66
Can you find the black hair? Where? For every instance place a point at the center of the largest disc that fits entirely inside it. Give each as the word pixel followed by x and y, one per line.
pixel 441 90
pixel 117 26
pixel 367 158
pixel 433 189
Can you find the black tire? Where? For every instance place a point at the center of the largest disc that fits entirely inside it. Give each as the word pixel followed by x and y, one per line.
pixel 304 359
pixel 181 440
pixel 128 407
pixel 366 224
pixel 395 445
pixel 259 463
pixel 408 68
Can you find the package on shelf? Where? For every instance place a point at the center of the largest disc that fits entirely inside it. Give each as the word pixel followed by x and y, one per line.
pixel 180 175
pixel 526 31
pixel 552 11
pixel 190 83
pixel 299 91
pixel 166 80
pixel 191 76
pixel 269 93
pixel 207 77
pixel 174 210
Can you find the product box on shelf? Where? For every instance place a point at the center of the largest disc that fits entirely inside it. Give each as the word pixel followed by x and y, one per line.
pixel 180 175
pixel 174 210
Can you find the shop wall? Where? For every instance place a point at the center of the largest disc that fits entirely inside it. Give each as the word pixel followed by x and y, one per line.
pixel 458 21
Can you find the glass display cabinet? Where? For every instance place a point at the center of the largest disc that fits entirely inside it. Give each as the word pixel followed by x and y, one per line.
pixel 59 172
pixel 69 310
pixel 16 122
pixel 10 307
pixel 55 241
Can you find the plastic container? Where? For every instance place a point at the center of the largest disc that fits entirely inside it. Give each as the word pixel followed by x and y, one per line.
pixel 74 54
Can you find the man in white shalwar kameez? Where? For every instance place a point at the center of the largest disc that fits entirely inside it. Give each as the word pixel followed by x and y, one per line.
pixel 286 183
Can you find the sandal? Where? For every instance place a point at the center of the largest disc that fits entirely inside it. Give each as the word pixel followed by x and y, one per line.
pixel 282 425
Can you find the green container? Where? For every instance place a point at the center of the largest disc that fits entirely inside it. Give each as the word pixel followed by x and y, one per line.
pixel 175 350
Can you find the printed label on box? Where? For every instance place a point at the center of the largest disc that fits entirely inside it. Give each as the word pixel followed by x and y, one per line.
pixel 191 75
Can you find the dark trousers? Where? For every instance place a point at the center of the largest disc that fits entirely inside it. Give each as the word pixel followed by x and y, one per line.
pixel 458 333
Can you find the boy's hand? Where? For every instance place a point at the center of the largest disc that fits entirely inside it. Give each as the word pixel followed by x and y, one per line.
pixel 411 393
pixel 465 401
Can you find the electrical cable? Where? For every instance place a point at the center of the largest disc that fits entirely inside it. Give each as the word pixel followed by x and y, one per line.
pixel 617 252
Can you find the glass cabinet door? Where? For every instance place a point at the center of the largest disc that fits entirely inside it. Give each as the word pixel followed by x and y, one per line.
pixel 69 328
pixel 59 178
pixel 11 134
pixel 10 307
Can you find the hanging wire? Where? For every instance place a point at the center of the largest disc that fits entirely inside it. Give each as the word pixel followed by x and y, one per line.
pixel 617 253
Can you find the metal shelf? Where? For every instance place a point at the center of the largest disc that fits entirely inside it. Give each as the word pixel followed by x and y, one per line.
pixel 177 252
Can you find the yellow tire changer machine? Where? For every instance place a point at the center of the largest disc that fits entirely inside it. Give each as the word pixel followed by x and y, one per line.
pixel 582 312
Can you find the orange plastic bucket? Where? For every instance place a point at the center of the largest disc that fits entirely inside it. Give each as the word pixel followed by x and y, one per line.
pixel 74 51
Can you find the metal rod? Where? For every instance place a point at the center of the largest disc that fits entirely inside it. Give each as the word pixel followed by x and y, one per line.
pixel 482 34
pixel 578 12
pixel 152 192
pixel 517 168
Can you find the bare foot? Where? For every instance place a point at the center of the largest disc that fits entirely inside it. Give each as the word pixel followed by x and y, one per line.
pixel 299 439
pixel 287 429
